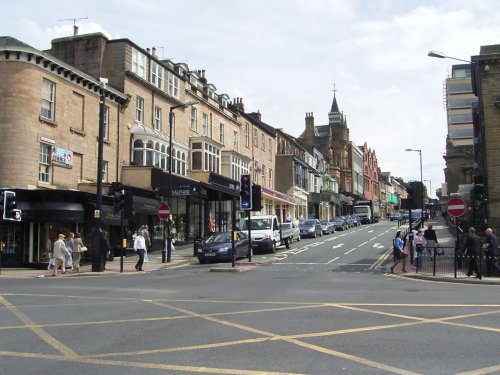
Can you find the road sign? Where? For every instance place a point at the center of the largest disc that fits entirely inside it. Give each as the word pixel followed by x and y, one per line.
pixel 164 211
pixel 456 207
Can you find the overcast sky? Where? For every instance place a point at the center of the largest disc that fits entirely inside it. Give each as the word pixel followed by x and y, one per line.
pixel 283 58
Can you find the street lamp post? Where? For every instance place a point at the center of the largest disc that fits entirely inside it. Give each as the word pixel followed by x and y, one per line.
pixel 421 183
pixel 97 253
pixel 171 117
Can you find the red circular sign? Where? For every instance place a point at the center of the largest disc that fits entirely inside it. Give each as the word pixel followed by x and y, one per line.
pixel 456 207
pixel 164 211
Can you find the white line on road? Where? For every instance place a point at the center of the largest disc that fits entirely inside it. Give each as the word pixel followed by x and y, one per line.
pixel 333 260
pixel 349 251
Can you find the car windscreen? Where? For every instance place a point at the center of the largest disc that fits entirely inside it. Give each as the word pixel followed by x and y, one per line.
pixel 258 224
pixel 219 238
pixel 308 223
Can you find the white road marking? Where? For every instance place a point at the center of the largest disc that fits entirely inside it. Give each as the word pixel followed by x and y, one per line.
pixel 333 260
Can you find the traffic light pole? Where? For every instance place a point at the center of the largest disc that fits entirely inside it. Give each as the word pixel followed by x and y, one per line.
pixel 122 237
pixel 233 230
pixel 1 243
pixel 249 236
pixel 97 253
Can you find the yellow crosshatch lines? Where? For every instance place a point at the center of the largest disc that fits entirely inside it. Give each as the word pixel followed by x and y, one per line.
pixel 37 330
pixel 144 365
pixel 262 335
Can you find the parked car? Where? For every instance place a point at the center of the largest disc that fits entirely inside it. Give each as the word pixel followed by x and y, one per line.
pixel 348 221
pixel 218 247
pixel 395 216
pixel 310 228
pixel 356 220
pixel 339 223
pixel 293 228
pixel 327 227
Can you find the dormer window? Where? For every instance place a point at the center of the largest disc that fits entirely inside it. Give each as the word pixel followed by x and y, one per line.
pixel 173 85
pixel 139 63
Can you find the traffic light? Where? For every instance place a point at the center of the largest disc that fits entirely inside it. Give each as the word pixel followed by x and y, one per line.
pixel 118 200
pixel 128 205
pixel 478 186
pixel 9 206
pixel 256 198
pixel 246 192
pixel 410 198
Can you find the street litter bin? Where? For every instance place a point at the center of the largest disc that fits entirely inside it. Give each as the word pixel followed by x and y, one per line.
pixel 198 243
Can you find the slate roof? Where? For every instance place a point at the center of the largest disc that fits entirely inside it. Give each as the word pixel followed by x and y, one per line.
pixel 8 41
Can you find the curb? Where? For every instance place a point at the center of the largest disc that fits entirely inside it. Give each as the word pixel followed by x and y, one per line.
pixel 470 281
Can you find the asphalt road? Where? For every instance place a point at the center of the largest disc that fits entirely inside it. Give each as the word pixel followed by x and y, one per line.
pixel 326 306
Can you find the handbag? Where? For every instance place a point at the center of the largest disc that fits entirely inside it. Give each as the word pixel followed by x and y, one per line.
pixel 83 248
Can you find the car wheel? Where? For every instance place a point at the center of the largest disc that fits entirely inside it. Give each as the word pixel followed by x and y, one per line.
pixel 315 234
pixel 273 247
pixel 287 242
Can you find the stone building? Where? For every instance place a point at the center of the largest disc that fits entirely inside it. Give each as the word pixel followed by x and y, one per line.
pixel 49 116
pixel 459 155
pixel 486 85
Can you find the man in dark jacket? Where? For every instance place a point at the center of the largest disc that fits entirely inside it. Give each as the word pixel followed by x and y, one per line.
pixel 491 252
pixel 473 251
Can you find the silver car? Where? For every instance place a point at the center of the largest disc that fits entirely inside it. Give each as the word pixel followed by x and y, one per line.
pixel 327 227
pixel 310 228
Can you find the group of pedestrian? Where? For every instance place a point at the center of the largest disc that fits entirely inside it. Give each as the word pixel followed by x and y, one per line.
pixel 67 253
pixel 428 240
pixel 421 240
pixel 472 250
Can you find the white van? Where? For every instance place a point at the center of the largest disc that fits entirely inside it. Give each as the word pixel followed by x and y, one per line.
pixel 266 233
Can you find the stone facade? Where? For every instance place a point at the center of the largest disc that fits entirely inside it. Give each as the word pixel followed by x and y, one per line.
pixel 488 65
pixel 72 127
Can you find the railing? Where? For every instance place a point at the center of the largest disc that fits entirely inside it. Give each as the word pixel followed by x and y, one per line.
pixel 446 261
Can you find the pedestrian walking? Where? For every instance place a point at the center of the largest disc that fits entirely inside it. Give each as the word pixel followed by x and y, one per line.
pixel 418 241
pixel 491 252
pixel 398 251
pixel 78 249
pixel 59 254
pixel 69 246
pixel 140 249
pixel 147 239
pixel 473 252
pixel 106 246
pixel 431 241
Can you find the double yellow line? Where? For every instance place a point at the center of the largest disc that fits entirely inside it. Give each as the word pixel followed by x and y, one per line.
pixel 381 259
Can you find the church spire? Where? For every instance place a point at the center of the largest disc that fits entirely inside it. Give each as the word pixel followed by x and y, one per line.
pixel 335 107
pixel 334 117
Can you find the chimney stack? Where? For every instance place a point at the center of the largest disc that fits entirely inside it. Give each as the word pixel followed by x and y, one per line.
pixel 309 133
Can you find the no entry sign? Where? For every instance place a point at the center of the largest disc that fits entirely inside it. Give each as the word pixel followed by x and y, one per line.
pixel 456 207
pixel 164 211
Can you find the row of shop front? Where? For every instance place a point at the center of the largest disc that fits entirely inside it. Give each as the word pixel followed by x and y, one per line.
pixel 198 208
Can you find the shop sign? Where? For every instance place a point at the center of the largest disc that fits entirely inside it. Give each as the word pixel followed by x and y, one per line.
pixel 61 157
pixel 181 191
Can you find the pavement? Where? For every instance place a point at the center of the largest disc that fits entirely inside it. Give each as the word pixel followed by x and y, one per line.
pixel 446 239
pixel 183 255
